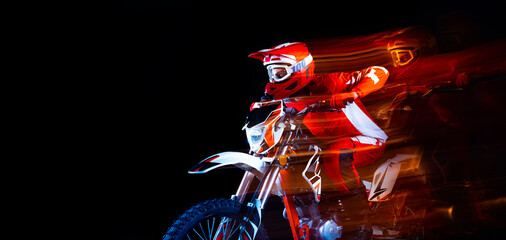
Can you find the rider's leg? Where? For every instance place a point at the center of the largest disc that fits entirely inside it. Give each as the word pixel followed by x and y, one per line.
pixel 339 165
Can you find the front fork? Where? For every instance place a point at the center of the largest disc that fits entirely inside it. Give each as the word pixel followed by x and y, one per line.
pixel 255 207
pixel 253 216
pixel 253 212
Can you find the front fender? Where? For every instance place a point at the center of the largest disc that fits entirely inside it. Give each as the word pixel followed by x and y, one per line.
pixel 243 161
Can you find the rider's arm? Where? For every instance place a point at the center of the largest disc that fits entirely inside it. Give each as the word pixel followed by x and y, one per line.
pixel 359 83
pixel 347 86
pixel 370 80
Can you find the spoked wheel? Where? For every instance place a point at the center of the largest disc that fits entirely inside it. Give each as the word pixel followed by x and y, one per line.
pixel 218 219
pixel 216 228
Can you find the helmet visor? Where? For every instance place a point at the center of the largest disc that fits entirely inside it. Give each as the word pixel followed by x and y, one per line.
pixel 278 73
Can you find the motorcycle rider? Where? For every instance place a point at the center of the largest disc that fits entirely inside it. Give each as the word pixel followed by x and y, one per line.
pixel 352 139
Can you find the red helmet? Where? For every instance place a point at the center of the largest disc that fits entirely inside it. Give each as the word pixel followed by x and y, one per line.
pixel 290 67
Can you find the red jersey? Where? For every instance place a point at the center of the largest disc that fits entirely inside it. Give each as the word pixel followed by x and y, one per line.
pixel 353 120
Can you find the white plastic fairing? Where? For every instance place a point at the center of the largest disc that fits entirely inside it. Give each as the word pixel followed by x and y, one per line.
pixel 312 173
pixel 243 161
pixel 278 131
pixel 385 177
pixel 263 128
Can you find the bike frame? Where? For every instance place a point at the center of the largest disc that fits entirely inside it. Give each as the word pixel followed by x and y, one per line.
pixel 275 178
pixel 270 173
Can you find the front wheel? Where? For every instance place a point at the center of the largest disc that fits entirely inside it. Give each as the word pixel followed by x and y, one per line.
pixel 209 220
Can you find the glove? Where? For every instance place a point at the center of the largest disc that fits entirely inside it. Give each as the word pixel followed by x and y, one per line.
pixel 340 100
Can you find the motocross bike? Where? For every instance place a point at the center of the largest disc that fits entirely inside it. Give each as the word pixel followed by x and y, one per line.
pixel 285 160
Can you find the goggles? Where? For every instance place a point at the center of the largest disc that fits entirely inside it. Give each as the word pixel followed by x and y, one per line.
pixel 281 72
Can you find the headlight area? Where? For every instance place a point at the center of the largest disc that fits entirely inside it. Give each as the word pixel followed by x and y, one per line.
pixel 255 136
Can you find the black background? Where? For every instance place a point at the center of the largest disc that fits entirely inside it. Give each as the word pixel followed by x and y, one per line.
pixel 170 84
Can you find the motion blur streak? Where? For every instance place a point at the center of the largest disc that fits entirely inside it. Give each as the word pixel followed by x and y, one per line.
pixel 442 173
pixel 444 96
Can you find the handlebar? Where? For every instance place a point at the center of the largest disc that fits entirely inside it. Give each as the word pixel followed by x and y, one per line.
pixel 322 106
pixel 319 106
